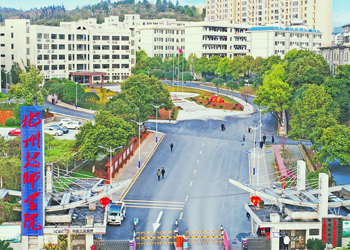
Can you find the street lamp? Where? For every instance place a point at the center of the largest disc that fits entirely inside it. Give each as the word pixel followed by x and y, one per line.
pixel 76 95
pixel 177 226
pixel 157 107
pixel 258 155
pixel 110 150
pixel 6 80
pixel 139 123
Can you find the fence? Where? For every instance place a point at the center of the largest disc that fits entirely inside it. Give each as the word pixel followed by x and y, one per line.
pixel 204 237
pixel 155 238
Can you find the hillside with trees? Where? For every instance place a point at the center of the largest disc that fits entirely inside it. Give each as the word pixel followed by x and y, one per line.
pixel 53 15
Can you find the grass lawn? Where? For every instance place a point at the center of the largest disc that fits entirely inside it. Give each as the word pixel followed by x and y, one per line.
pixel 4 106
pixel 83 174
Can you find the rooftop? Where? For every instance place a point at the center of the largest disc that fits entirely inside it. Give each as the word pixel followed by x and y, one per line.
pixel 265 28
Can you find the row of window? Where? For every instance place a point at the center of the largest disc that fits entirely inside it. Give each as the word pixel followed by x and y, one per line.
pixel 173 32
pixel 113 47
pixel 161 39
pixel 80 57
pixel 95 66
pixel 80 37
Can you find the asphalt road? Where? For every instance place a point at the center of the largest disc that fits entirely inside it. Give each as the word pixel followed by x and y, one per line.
pixel 65 111
pixel 196 179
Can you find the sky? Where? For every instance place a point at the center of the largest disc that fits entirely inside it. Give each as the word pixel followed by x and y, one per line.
pixel 341 8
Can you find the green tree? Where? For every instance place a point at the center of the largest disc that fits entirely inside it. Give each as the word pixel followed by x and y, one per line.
pixel 213 63
pixel 275 94
pixel 10 172
pixel 70 91
pixel 222 67
pixel 232 86
pixel 234 67
pixel 314 111
pixel 103 93
pixel 269 62
pixel 258 65
pixel 248 65
pixel 141 54
pixel 59 152
pixel 335 145
pixel 29 88
pixel 57 88
pixel 108 131
pixel 16 70
pixel 200 66
pixel 154 62
pixel 192 59
pixel 188 76
pixel 315 244
pixel 157 73
pixel 258 80
pixel 90 98
pixel 218 82
pixel 122 108
pixel 142 64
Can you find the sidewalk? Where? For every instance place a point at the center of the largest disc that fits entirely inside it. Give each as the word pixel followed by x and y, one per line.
pixel 131 170
pixel 65 105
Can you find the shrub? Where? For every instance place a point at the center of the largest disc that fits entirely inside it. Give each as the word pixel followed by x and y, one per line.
pixel 202 96
pixel 207 98
pixel 209 102
pixel 221 106
pixel 200 102
pixel 18 122
pixel 214 105
pixel 234 107
pixel 10 122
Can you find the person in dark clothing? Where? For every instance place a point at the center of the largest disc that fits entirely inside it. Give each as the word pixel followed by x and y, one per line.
pixel 258 232
pixel 158 174
pixel 163 172
pixel 261 144
pixel 248 216
pixel 222 127
pixel 264 138
pixel 272 139
pixel 53 101
pixel 248 129
pixel 255 144
pixel 243 137
pixel 171 147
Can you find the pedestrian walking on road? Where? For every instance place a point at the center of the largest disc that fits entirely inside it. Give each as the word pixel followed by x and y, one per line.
pixel 286 241
pixel 261 144
pixel 243 137
pixel 248 216
pixel 249 129
pixel 171 147
pixel 163 172
pixel 158 174
pixel 272 139
pixel 222 127
pixel 264 138
pixel 255 144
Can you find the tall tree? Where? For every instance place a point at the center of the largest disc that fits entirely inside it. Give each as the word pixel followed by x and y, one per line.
pixel 15 72
pixel 222 67
pixel 275 94
pixel 201 65
pixel 192 59
pixel 213 63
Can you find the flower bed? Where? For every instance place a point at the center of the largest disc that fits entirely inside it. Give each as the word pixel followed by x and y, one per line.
pixel 164 114
pixel 227 105
pixel 4 115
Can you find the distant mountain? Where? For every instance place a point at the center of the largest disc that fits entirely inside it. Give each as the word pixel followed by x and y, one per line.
pixel 53 15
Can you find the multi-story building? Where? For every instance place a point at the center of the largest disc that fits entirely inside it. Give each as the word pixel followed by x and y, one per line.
pixel 337 39
pixel 316 14
pixel 223 38
pixel 100 50
pixel 276 40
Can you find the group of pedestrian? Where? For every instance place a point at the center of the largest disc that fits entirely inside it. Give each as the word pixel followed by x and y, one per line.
pixel 263 141
pixel 161 172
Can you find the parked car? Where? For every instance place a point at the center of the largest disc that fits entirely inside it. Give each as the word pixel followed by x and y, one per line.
pixel 65 121
pixel 71 125
pixel 116 213
pixel 14 132
pixel 64 130
pixel 53 131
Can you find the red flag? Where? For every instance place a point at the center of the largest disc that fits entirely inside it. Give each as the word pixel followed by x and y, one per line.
pixel 180 51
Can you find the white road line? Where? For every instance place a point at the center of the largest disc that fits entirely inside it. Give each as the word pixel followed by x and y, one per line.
pixel 200 152
pixel 181 215
pixel 174 208
pixel 186 198
pixel 191 184
pixel 197 161
pixel 194 172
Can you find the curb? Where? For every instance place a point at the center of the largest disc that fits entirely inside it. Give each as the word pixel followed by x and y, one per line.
pixel 72 107
pixel 71 116
pixel 143 166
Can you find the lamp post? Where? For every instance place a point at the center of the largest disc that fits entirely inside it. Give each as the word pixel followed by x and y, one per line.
pixel 177 226
pixel 7 81
pixel 76 95
pixel 139 123
pixel 260 124
pixel 157 107
pixel 110 150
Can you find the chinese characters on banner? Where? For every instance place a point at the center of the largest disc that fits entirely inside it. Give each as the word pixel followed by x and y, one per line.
pixel 32 157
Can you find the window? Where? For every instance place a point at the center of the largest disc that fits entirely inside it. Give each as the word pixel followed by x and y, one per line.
pixel 96 47
pixel 46 57
pixel 115 56
pixel 62 57
pixel 115 38
pixel 125 66
pixel 2 55
pixel 62 67
pixel 12 46
pixel 125 56
pixel 39 57
pixel 53 57
pixel 54 36
pixel 46 36
pixel 46 46
pixel 11 34
pixel 105 38
pixel 115 47
pixel 39 35
pixel 46 67
pixel 115 66
pixel 61 46
pixel 125 38
pixel 39 46
pixel 295 3
pixel 53 67
pixel 105 66
pixel 105 47
pixel 96 66
pixel 61 36
pixel 96 38
pixel 125 47
pixel 105 56
pixel 96 57
pixel 53 46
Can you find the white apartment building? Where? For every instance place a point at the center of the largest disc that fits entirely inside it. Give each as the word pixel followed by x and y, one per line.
pixel 84 47
pixel 276 40
pixel 222 38
pixel 337 39
pixel 316 14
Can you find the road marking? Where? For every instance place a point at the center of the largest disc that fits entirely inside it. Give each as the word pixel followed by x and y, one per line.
pixel 159 204
pixel 203 145
pixel 205 138
pixel 194 172
pixel 197 161
pixel 181 215
pixel 200 152
pixel 154 204
pixel 186 198
pixel 191 184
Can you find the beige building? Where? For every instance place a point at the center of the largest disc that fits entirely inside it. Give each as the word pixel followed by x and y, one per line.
pixel 82 46
pixel 277 40
pixel 314 14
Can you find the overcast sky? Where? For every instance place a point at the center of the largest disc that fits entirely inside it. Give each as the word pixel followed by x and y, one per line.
pixel 341 8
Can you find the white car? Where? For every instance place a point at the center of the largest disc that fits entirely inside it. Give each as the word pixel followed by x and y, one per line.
pixel 116 213
pixel 53 131
pixel 71 125
pixel 65 121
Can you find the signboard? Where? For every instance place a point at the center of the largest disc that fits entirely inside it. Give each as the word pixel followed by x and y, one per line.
pixel 32 158
pixel 49 238
pixel 10 233
pixel 346 228
pixel 78 230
